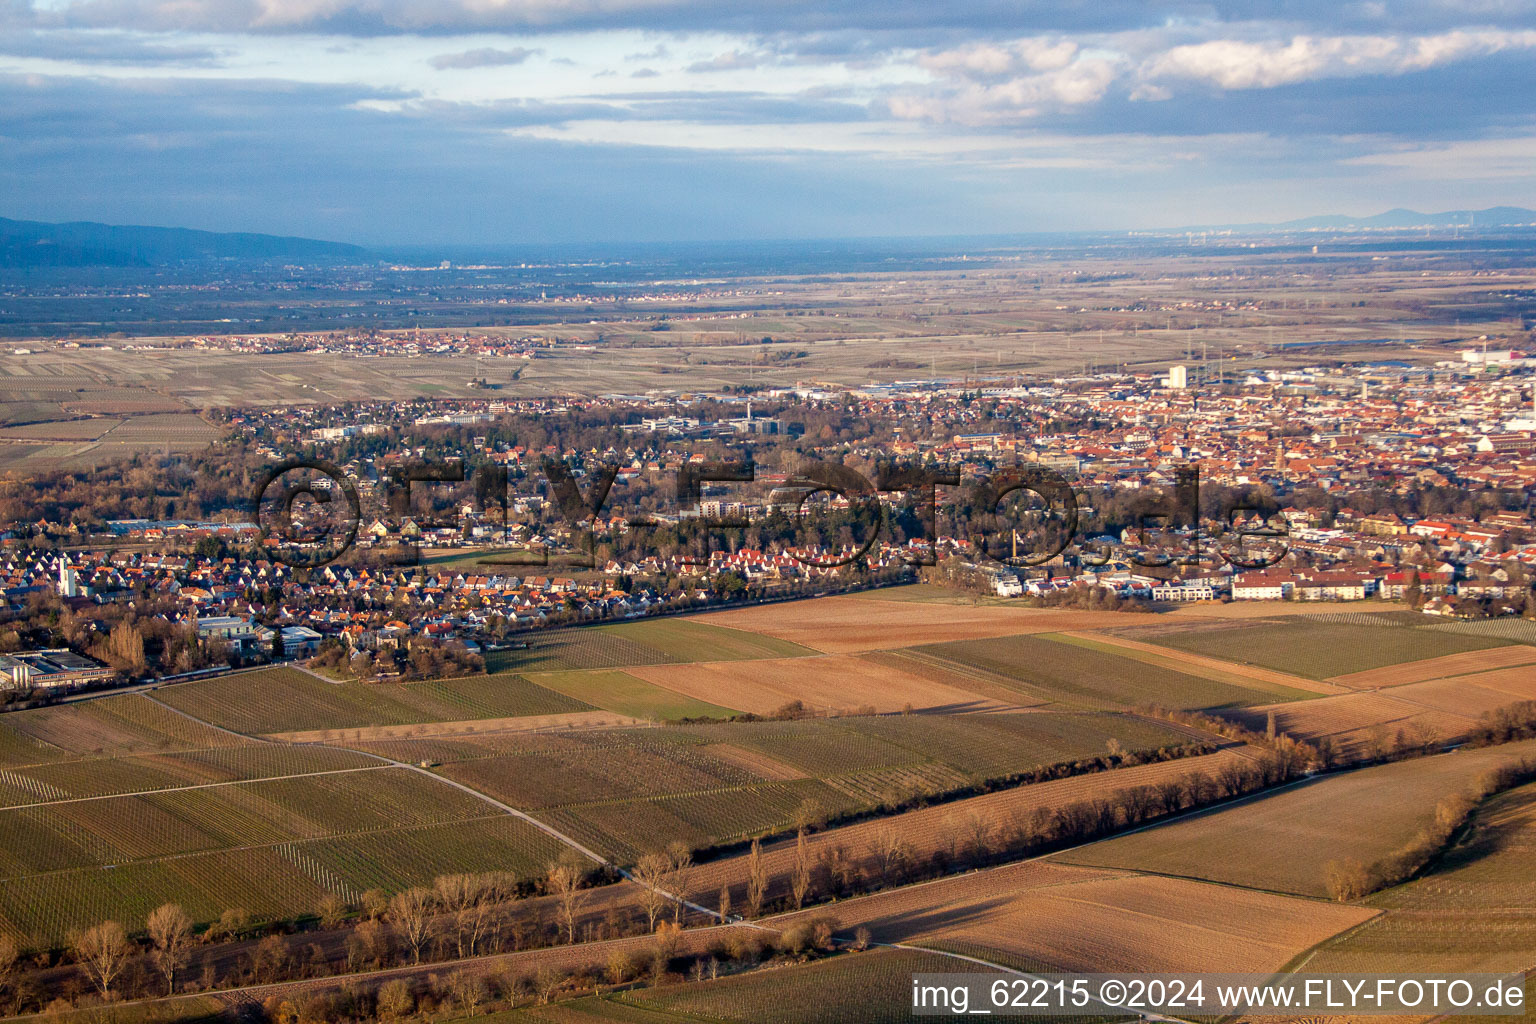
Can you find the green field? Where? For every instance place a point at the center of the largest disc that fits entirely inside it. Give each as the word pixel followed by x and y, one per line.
pixel 286 700
pixel 622 693
pixel 1283 842
pixel 1078 676
pixel 1320 650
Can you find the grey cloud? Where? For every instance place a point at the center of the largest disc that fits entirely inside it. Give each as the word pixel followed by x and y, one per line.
pixel 98 47
pixel 485 57
pixel 976 17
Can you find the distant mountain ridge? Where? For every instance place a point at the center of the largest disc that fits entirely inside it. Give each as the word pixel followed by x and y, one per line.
pixel 1492 217
pixel 30 243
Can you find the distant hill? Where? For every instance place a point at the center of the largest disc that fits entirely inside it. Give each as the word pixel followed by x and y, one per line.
pixel 30 243
pixel 1492 217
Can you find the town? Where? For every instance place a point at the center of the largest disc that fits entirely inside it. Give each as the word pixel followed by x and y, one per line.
pixel 1389 480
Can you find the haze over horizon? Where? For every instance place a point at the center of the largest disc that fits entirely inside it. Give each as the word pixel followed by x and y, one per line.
pixel 386 122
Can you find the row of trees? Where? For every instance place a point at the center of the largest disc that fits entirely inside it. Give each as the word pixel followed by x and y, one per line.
pixel 1349 878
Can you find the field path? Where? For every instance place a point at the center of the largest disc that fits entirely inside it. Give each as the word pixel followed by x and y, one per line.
pixel 1174 658
pixel 544 827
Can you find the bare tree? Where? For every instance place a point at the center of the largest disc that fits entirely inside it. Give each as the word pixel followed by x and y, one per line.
pixel 9 955
pixel 680 859
pixel 890 854
pixel 411 914
pixel 564 881
pixel 651 874
pixel 170 929
pixel 978 834
pixel 331 909
pixel 757 880
pixel 102 952
pixel 800 880
pixel 725 903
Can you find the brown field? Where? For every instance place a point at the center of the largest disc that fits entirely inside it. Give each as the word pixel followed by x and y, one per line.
pixel 753 761
pixel 929 829
pixel 1517 683
pixel 1461 695
pixel 475 727
pixel 833 683
pixel 1349 718
pixel 1439 668
pixel 852 625
pixel 1098 920
pixel 1211 668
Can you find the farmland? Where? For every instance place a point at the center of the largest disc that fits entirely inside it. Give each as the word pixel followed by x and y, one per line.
pixel 1317 649
pixel 1441 667
pixel 284 700
pixel 1282 842
pixel 624 792
pixel 271 846
pixel 855 624
pixel 1447 708
pixel 826 683
pixel 946 826
pixel 1073 918
pixel 628 694
pixel 647 642
pixel 867 988
pixel 1079 676
pixel 1426 924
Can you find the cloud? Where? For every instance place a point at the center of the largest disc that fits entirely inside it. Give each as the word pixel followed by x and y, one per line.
pixel 107 47
pixel 734 60
pixel 1239 64
pixel 920 19
pixel 485 57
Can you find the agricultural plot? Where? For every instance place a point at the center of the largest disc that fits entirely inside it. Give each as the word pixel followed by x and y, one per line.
pixel 627 694
pixel 1320 650
pixel 102 776
pixel 826 683
pixel 626 829
pixel 853 624
pixel 570 650
pixel 1282 842
pixel 1522 631
pixel 1250 677
pixel 1476 911
pixel 1137 923
pixel 108 727
pixel 690 639
pixel 1078 676
pixel 1443 709
pixel 865 988
pixel 285 700
pixel 271 847
pixel 944 826
pixel 114 830
pixel 1442 667
pixel 596 767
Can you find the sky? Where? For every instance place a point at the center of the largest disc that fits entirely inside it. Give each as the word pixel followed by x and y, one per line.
pixel 505 121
